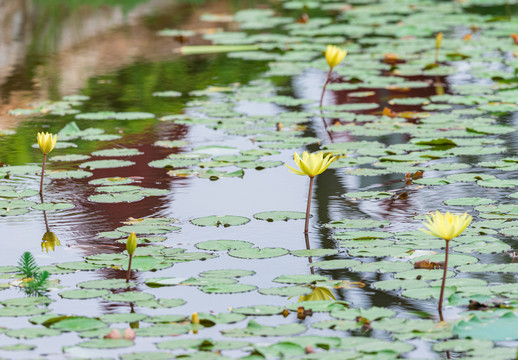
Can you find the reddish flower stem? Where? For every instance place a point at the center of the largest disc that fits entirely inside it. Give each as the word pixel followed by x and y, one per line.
pixel 42 173
pixel 308 208
pixel 443 280
pixel 128 273
pixel 325 85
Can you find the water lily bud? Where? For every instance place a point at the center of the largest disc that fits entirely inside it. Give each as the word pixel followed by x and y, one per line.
pixel 46 141
pixel 114 334
pixel 195 319
pixel 131 244
pixel 438 40
pixel 129 334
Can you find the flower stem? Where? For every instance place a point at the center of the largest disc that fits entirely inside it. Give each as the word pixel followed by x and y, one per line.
pixel 325 85
pixel 128 273
pixel 42 172
pixel 436 56
pixel 306 226
pixel 443 280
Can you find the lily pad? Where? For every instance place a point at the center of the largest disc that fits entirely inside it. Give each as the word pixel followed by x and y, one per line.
pixel 225 220
pixel 271 216
pixel 257 253
pixel 216 245
pixel 105 164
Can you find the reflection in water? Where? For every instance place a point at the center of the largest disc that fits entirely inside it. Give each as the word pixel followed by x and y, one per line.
pixel 49 241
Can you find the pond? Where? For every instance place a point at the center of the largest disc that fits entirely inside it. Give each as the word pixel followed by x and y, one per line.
pixel 175 120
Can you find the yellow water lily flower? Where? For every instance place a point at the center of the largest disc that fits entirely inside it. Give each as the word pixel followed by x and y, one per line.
pixel 446 226
pixel 335 55
pixel 311 164
pixel 46 141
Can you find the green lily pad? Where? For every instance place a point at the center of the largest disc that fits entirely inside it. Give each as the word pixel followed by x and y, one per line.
pixel 123 318
pixel 78 323
pixel 357 224
pixel 286 291
pixel 129 296
pixel 271 216
pixel 313 252
pixel 32 333
pixel 257 253
pixel 22 311
pixel 105 164
pixel 255 329
pixel 83 294
pixel 469 201
pixel 224 273
pixel 227 288
pixel 70 174
pixel 163 330
pixel 18 347
pixel 117 152
pixel 105 284
pixel 258 310
pixel 225 220
pixel 106 344
pixel 495 328
pixel 111 198
pixel 217 245
pixel 299 279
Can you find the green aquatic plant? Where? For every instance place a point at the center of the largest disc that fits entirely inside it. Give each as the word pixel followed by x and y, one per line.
pixel 27 265
pixel 446 226
pixel 35 280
